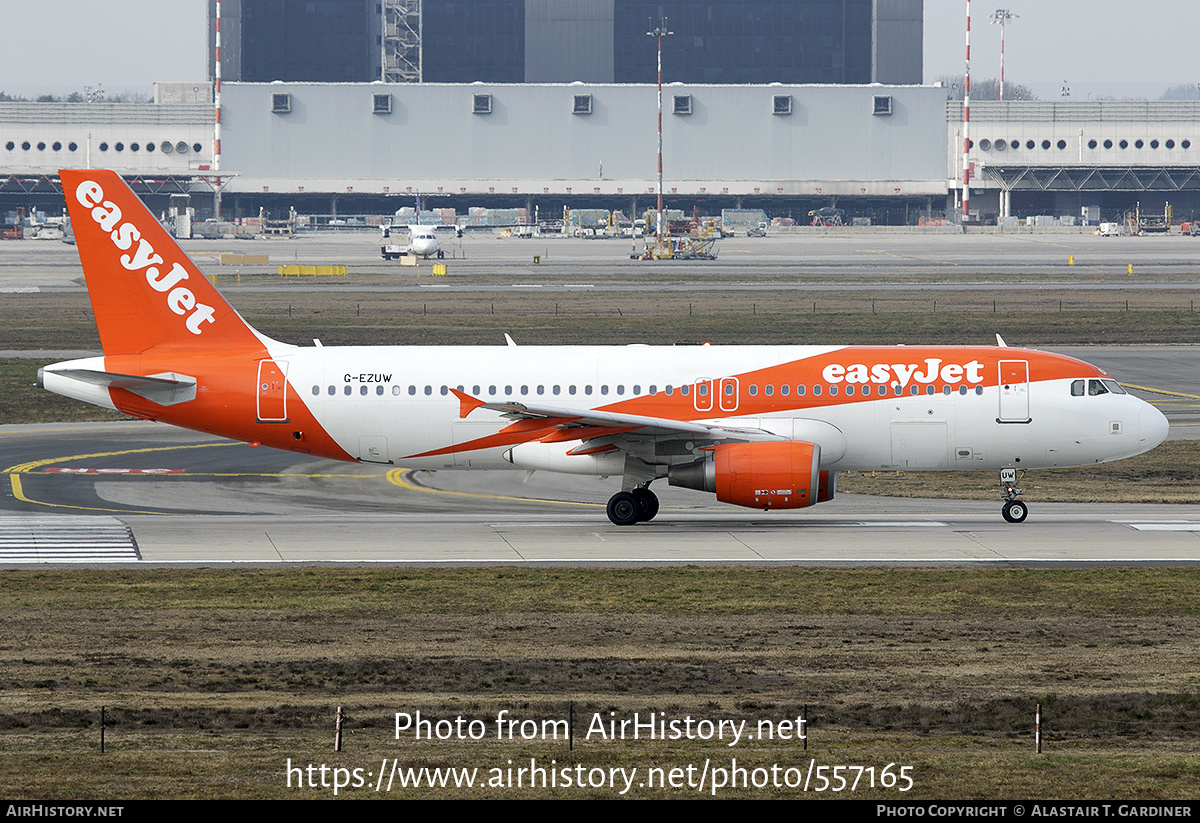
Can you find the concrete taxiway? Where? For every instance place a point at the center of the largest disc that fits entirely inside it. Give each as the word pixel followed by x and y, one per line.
pixel 804 260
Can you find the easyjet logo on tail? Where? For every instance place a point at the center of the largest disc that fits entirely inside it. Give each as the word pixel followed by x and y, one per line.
pixel 928 372
pixel 180 299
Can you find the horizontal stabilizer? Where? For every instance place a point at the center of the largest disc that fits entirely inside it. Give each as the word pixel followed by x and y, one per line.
pixel 164 389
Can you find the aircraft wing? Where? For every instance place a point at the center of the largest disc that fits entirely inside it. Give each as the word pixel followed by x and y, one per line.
pixel 582 424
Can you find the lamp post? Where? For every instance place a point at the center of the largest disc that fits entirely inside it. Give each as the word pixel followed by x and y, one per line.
pixel 659 32
pixel 1002 16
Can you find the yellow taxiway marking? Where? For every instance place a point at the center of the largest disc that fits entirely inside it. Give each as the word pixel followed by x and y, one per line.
pixel 25 468
pixel 19 493
pixel 14 473
pixel 396 477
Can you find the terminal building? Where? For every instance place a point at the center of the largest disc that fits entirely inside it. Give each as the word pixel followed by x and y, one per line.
pixel 563 41
pixel 844 123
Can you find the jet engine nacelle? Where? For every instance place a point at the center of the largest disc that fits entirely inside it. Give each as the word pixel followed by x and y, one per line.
pixel 567 458
pixel 759 475
pixel 826 486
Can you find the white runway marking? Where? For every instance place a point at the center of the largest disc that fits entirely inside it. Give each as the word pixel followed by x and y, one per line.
pixel 66 540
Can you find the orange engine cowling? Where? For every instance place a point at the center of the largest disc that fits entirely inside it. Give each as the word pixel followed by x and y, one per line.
pixel 759 475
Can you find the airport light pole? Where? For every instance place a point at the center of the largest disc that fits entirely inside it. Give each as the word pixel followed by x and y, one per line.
pixel 659 32
pixel 1002 16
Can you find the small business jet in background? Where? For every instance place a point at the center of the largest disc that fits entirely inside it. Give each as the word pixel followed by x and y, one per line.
pixel 765 427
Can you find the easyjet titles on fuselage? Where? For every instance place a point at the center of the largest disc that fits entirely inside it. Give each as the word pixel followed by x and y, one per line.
pixel 107 215
pixel 901 373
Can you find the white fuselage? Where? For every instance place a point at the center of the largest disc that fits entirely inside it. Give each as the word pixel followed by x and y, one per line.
pixel 398 401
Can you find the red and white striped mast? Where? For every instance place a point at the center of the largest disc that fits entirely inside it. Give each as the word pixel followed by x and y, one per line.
pixel 217 106
pixel 966 192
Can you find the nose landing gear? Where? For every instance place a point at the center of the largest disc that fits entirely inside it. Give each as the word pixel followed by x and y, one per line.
pixel 1014 511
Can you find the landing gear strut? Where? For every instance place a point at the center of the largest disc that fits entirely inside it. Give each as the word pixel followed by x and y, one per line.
pixel 636 506
pixel 1014 511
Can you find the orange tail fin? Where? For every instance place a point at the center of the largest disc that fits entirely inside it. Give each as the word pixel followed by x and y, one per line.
pixel 146 293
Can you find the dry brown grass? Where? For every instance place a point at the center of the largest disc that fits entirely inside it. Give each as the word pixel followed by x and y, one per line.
pixel 214 678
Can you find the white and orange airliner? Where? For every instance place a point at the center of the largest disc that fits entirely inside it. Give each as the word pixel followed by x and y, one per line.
pixel 765 427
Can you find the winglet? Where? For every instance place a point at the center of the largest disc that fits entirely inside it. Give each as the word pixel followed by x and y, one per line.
pixel 466 403
pixel 1000 341
pixel 508 339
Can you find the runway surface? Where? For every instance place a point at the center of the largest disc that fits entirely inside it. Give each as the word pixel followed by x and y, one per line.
pixel 481 261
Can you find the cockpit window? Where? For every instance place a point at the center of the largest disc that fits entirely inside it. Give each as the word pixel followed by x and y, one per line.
pixel 1114 386
pixel 1096 388
pixel 1077 388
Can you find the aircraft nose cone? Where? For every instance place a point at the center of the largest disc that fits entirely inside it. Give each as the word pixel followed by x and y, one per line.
pixel 1152 425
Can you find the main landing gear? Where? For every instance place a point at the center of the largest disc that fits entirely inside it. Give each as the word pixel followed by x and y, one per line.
pixel 636 506
pixel 1014 511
